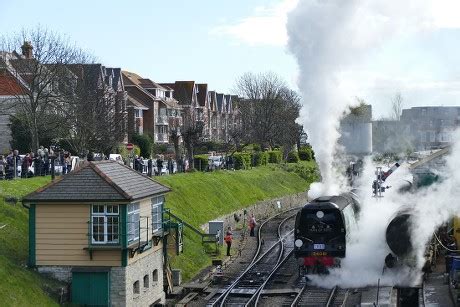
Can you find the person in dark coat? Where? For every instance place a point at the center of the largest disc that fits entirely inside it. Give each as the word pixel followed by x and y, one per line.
pixel 159 166
pixel 149 167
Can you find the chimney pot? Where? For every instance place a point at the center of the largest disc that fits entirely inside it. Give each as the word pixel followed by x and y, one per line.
pixel 27 50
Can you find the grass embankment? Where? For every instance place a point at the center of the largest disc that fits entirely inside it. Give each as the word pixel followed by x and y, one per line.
pixel 19 286
pixel 200 197
pixel 196 197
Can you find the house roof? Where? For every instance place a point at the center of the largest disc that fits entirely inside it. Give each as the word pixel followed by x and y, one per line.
pixel 140 95
pixel 183 91
pixel 202 94
pixel 228 105
pixel 98 181
pixel 220 102
pixel 133 102
pixel 9 86
pixel 135 79
pixel 212 102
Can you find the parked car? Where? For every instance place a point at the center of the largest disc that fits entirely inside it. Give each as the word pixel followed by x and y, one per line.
pixel 116 157
pixel 216 162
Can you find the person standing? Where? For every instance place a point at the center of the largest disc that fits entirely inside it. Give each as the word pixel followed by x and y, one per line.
pixel 252 225
pixel 228 239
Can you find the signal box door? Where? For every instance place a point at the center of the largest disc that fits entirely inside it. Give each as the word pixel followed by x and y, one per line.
pixel 90 288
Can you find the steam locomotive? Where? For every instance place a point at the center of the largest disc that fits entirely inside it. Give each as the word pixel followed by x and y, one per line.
pixel 321 230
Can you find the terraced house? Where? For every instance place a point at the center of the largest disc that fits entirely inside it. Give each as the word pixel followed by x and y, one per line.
pixel 152 108
pixel 100 229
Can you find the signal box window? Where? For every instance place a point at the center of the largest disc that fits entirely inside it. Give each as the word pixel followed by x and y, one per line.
pixel 105 224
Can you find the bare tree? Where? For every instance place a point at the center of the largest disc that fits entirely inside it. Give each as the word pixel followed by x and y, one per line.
pixel 95 114
pixel 396 106
pixel 192 132
pixel 268 109
pixel 40 72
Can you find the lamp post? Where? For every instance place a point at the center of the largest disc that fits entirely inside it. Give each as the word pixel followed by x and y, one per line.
pixel 52 158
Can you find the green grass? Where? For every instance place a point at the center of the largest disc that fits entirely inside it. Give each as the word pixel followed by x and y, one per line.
pixel 20 286
pixel 199 197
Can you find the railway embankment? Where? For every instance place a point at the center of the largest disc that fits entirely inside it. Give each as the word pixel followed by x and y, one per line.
pixel 197 197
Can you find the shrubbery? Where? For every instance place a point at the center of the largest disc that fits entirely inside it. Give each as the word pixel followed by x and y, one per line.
pixel 200 162
pixel 306 154
pixel 242 160
pixel 293 157
pixel 145 144
pixel 274 156
pixel 260 158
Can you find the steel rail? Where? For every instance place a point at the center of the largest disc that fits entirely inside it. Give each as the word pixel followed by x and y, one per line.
pixel 331 297
pixel 259 292
pixel 255 259
pixel 279 263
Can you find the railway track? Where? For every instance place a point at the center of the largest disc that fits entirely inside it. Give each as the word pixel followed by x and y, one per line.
pixel 270 253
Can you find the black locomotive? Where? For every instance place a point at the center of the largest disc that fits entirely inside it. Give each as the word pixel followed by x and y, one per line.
pixel 321 230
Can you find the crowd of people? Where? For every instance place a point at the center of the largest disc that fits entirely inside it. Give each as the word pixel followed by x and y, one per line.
pixel 33 164
pixel 160 166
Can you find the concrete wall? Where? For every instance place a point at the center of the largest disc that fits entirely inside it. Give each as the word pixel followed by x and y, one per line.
pixel 262 210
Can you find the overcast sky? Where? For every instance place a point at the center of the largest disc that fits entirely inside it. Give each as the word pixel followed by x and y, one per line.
pixel 216 41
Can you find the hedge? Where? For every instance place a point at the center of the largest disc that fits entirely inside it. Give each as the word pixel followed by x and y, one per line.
pixel 259 158
pixel 145 144
pixel 293 157
pixel 200 162
pixel 274 156
pixel 242 160
pixel 305 154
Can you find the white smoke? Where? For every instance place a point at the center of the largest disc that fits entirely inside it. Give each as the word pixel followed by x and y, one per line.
pixel 367 248
pixel 329 40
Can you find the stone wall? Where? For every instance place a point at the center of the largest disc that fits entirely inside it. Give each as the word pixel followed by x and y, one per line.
pixel 61 273
pixel 136 271
pixel 261 210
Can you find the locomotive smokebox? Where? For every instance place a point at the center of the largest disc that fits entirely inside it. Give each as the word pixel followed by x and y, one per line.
pixel 398 235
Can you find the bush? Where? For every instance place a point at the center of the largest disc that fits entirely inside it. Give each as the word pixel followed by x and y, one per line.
pixel 200 162
pixel 159 148
pixel 145 144
pixel 241 160
pixel 306 154
pixel 293 157
pixel 259 158
pixel 274 156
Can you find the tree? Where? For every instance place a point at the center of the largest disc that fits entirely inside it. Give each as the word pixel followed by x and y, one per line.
pixel 192 132
pixel 175 137
pixel 268 110
pixel 95 113
pixel 45 82
pixel 396 106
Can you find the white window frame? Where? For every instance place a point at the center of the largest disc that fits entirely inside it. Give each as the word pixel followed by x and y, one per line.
pixel 134 216
pixel 106 215
pixel 157 213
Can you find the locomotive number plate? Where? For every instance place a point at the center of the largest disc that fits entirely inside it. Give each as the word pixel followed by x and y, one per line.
pixel 318 246
pixel 319 254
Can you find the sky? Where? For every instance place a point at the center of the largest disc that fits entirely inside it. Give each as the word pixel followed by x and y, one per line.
pixel 215 42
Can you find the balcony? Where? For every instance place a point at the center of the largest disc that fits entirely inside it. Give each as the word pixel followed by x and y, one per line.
pixel 161 138
pixel 162 120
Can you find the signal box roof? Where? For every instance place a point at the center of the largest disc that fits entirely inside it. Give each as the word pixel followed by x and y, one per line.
pixel 98 181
